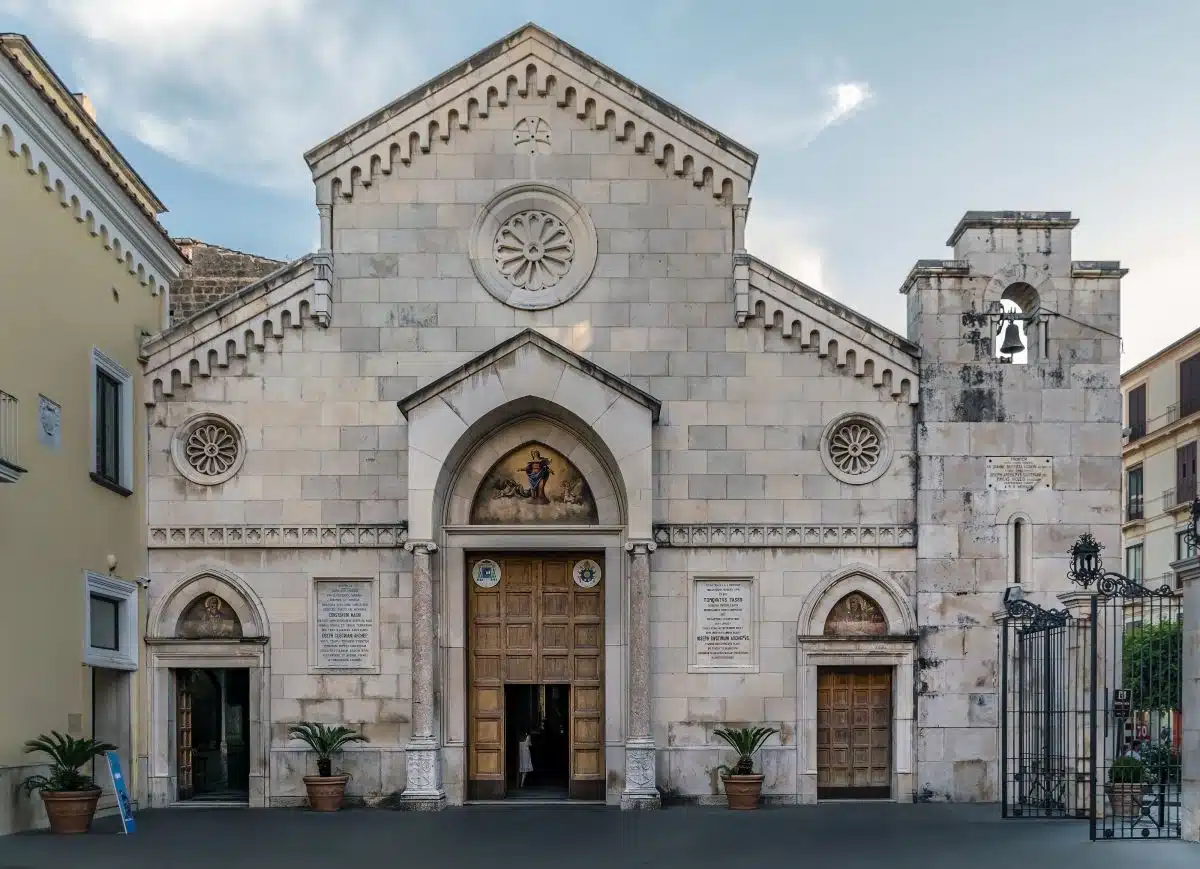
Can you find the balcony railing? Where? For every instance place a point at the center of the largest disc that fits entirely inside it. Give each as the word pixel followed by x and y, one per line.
pixel 1134 509
pixel 1141 429
pixel 10 468
pixel 1172 498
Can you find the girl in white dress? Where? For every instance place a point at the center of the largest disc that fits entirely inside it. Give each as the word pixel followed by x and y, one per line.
pixel 525 759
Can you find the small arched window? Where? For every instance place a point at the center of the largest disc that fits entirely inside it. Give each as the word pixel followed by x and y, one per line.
pixel 1019 554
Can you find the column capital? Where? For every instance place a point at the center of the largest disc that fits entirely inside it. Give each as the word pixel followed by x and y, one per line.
pixel 324 208
pixel 741 209
pixel 426 547
pixel 640 547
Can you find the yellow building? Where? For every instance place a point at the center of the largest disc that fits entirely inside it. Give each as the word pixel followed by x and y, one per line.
pixel 1162 425
pixel 86 270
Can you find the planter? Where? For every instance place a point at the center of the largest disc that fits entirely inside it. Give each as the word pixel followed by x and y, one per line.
pixel 70 811
pixel 743 791
pixel 1126 798
pixel 325 792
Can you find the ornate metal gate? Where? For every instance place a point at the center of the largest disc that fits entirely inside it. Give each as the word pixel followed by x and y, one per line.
pixel 1090 703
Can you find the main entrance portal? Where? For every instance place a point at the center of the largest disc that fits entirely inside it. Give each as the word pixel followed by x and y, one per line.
pixel 536 675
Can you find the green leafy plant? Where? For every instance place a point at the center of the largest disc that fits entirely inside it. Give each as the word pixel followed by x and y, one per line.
pixel 325 741
pixel 1163 762
pixel 67 754
pixel 746 741
pixel 1151 657
pixel 1127 769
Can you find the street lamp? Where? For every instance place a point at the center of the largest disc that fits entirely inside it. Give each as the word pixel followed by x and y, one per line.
pixel 1086 564
pixel 1192 533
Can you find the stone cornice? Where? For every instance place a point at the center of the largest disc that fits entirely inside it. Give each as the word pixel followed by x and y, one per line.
pixel 530 60
pixel 1095 269
pixel 530 336
pixel 291 297
pixel 934 268
pixel 717 535
pixel 1012 220
pixel 278 536
pixel 32 132
pixel 831 329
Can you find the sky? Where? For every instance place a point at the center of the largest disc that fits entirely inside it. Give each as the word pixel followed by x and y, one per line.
pixel 877 124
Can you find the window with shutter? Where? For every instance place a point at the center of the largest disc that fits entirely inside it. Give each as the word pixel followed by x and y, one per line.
pixel 1189 385
pixel 1136 412
pixel 1185 473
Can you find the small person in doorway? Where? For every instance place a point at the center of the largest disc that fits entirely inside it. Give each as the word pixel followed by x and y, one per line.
pixel 525 759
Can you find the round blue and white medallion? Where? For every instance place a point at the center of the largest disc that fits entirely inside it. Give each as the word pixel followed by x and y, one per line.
pixel 586 573
pixel 486 573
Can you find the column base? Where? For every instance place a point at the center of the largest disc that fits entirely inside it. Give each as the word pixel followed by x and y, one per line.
pixel 641 792
pixel 423 764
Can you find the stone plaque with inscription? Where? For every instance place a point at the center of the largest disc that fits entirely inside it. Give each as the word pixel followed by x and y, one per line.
pixel 722 624
pixel 345 624
pixel 1019 473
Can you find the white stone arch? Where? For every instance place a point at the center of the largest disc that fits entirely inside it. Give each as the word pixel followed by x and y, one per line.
pixel 895 650
pixel 863 578
pixel 166 611
pixel 455 509
pixel 168 653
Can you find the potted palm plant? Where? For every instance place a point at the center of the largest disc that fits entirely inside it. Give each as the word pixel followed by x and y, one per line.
pixel 1126 784
pixel 742 786
pixel 325 790
pixel 69 795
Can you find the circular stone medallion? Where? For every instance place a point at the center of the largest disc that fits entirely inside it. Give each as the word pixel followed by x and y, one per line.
pixel 586 573
pixel 486 573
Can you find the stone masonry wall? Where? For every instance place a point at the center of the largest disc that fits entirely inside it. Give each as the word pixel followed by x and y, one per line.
pixel 212 273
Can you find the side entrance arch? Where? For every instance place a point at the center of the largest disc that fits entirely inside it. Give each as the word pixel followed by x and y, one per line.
pixel 208 662
pixel 855 647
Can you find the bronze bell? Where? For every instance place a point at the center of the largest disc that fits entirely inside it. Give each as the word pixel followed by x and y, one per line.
pixel 1012 340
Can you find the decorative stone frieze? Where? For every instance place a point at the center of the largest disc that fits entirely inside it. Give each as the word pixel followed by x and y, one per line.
pixel 272 536
pixel 772 536
pixel 208 449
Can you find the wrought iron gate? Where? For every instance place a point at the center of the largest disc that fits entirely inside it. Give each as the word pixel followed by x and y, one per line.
pixel 1090 703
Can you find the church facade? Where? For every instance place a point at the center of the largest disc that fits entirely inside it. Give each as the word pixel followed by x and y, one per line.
pixel 533 449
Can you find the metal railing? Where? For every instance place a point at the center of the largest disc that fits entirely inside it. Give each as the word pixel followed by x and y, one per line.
pixel 1139 430
pixel 1134 508
pixel 1172 498
pixel 8 429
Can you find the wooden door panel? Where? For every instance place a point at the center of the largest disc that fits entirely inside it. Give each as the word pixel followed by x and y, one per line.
pixel 854 732
pixel 183 732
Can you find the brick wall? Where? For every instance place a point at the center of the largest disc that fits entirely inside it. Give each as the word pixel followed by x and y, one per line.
pixel 212 273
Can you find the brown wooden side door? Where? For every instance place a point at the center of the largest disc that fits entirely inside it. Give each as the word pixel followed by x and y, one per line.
pixel 183 732
pixel 854 732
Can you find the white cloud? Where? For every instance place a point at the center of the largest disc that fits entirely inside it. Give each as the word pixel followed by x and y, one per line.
pixel 240 89
pixel 846 98
pixel 787 240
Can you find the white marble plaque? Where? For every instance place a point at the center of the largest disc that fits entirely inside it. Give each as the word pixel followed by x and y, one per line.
pixel 723 624
pixel 1019 473
pixel 345 624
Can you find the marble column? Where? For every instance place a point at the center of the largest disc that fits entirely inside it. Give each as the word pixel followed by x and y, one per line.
pixel 423 757
pixel 640 788
pixel 1188 572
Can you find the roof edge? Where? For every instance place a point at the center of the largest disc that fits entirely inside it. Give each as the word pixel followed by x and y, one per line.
pixel 1157 356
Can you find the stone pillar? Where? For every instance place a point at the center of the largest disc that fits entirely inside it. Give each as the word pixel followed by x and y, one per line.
pixel 640 789
pixel 325 212
pixel 1188 572
pixel 423 757
pixel 1077 699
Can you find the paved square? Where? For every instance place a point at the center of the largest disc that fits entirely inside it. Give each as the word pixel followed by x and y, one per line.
pixel 955 836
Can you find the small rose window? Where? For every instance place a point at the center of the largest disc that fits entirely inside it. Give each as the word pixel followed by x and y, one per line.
pixel 208 449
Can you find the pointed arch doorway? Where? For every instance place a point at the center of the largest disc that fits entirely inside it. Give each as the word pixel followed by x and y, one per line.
pixel 209 677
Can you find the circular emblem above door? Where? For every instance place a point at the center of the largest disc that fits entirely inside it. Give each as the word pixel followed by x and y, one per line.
pixel 586 573
pixel 486 573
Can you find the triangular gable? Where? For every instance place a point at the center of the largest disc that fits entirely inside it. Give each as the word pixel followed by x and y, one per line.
pixel 293 296
pixel 816 322
pixel 531 59
pixel 505 348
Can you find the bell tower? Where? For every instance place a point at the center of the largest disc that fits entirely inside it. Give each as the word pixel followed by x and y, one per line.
pixel 1019 450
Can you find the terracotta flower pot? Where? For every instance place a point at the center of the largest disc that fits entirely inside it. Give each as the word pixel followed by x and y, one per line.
pixel 325 792
pixel 1126 798
pixel 743 791
pixel 70 811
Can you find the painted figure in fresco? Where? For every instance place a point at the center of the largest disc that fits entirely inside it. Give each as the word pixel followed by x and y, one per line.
pixel 214 622
pixel 538 471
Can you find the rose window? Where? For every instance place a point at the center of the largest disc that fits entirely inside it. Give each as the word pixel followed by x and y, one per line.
pixel 211 449
pixel 855 448
pixel 533 250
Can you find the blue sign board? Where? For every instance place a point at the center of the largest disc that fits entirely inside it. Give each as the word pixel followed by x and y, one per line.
pixel 118 780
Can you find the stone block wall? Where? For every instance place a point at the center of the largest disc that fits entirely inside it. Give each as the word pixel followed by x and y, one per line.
pixel 212 273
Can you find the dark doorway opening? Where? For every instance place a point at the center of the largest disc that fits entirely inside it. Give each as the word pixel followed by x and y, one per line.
pixel 212 734
pixel 541 714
